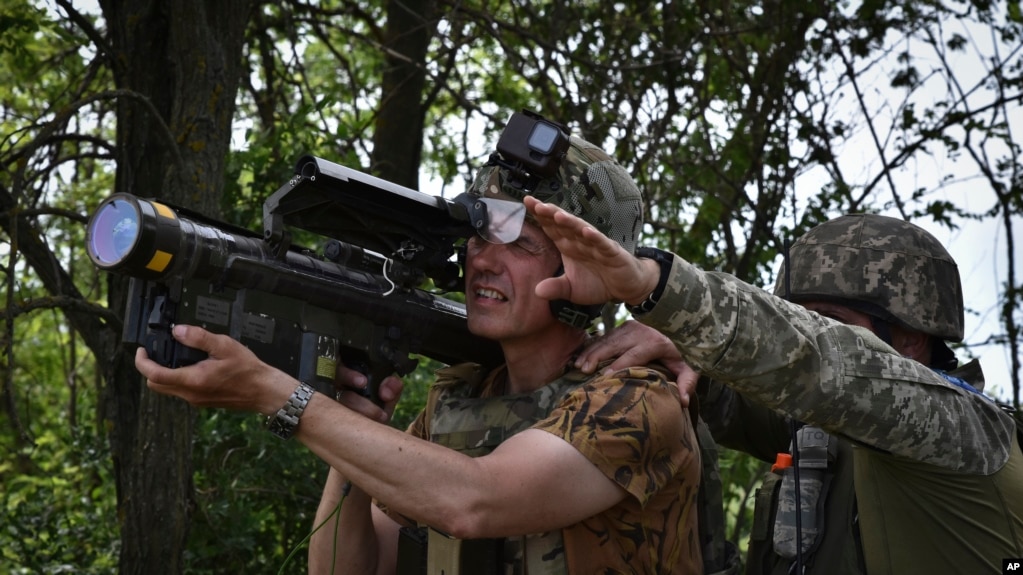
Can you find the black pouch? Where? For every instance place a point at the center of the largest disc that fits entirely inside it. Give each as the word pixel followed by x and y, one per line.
pixel 811 493
pixel 412 551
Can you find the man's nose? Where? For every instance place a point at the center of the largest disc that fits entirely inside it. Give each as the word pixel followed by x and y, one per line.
pixel 483 254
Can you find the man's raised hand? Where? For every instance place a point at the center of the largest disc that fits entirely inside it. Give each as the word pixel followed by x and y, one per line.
pixel 597 268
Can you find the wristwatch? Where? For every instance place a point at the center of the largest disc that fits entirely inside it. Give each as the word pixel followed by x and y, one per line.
pixel 664 260
pixel 284 422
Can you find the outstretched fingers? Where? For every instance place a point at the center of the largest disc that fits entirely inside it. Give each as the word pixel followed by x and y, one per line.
pixel 572 235
pixel 597 268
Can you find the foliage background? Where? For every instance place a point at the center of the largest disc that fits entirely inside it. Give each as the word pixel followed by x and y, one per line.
pixel 744 122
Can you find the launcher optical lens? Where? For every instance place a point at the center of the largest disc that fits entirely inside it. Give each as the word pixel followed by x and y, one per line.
pixel 113 232
pixel 136 236
pixel 150 240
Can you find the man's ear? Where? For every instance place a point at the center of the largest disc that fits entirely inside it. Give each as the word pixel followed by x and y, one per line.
pixel 912 344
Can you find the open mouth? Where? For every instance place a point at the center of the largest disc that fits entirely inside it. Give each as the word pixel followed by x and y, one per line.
pixel 490 294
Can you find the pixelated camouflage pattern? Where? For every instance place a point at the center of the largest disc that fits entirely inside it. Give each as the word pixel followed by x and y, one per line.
pixel 811 484
pixel 630 425
pixel 590 184
pixel 841 378
pixel 884 262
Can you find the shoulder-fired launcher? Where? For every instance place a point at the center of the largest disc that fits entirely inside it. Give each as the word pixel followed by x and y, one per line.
pixel 298 310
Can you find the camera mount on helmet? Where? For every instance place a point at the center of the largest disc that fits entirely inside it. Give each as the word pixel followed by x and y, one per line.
pixel 531 147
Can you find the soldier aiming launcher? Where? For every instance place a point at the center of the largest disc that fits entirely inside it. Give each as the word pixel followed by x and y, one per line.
pixel 297 310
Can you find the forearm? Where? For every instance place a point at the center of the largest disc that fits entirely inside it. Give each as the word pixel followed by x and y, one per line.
pixel 824 373
pixel 517 489
pixel 415 478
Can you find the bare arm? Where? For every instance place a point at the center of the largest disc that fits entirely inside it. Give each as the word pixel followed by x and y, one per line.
pixel 517 489
pixel 362 542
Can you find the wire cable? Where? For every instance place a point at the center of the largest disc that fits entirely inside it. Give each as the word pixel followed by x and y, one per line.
pixel 345 490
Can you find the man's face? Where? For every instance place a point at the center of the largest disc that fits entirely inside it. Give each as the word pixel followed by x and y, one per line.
pixel 500 281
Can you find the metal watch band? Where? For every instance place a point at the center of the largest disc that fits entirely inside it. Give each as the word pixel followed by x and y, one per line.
pixel 284 422
pixel 664 260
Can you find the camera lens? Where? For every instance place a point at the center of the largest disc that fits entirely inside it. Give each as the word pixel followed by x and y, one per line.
pixel 543 137
pixel 113 232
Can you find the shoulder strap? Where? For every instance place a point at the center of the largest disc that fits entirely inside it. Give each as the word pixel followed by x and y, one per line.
pixel 463 418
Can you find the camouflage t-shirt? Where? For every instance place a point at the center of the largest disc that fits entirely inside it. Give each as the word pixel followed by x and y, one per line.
pixel 630 426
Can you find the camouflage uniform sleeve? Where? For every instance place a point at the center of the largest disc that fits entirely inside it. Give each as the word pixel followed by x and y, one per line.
pixel 841 378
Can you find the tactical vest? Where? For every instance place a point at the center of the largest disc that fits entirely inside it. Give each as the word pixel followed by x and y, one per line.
pixel 826 497
pixel 458 419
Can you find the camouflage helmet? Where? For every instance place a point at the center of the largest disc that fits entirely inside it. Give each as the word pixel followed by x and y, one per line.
pixel 589 184
pixel 884 264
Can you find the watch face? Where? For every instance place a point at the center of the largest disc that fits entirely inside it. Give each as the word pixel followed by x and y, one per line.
pixel 276 427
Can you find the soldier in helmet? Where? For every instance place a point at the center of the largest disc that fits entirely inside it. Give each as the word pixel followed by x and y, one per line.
pixel 533 467
pixel 843 378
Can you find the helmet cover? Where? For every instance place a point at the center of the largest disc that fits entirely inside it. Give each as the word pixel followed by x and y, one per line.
pixel 882 262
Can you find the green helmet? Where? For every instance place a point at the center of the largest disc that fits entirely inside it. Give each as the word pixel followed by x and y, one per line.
pixel 588 183
pixel 879 264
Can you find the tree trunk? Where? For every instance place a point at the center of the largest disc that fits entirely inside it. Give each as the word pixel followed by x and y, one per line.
pixel 185 57
pixel 398 137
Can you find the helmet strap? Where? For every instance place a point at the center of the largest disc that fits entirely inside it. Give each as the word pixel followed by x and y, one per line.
pixel 576 315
